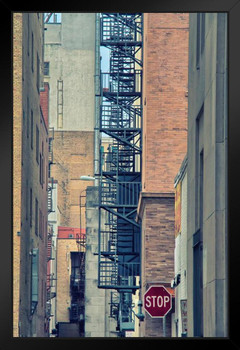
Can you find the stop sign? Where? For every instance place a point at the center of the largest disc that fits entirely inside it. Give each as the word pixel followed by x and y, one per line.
pixel 157 301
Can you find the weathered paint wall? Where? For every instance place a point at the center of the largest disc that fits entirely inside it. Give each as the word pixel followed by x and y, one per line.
pixel 97 308
pixel 70 51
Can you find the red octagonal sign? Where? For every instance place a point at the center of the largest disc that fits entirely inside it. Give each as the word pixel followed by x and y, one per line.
pixel 157 301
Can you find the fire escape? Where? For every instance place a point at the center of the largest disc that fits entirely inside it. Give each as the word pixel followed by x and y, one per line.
pixel 77 278
pixel 120 164
pixel 51 285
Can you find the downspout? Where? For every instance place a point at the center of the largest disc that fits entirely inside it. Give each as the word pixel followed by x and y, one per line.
pixel 97 99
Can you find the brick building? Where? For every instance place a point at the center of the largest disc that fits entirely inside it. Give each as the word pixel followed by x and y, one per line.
pixel 164 138
pixel 30 178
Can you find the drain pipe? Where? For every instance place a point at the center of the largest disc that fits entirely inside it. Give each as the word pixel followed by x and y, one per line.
pixel 97 98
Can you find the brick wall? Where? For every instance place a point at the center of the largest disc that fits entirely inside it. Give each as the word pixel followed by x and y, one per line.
pixel 158 238
pixel 158 243
pixel 73 157
pixel 165 86
pixel 165 82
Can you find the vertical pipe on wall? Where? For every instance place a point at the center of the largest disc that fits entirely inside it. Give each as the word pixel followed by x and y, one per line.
pixel 97 98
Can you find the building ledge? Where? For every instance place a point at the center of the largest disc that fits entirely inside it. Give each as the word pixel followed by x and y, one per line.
pixel 155 197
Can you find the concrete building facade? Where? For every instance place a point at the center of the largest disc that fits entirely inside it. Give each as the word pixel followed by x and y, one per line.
pixel 207 176
pixel 69 68
pixel 30 158
pixel 164 138
pixel 97 301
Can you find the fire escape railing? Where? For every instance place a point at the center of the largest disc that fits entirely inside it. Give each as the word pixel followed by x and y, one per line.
pixel 120 177
pixel 120 163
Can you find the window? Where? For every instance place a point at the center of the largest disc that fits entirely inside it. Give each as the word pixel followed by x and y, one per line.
pixel 42 175
pixel 37 144
pixel 40 224
pixel 36 217
pixel 75 265
pixel 200 40
pixel 26 200
pixel 32 53
pixel 38 73
pixel 28 24
pixel 30 207
pixel 42 291
pixel 46 68
pixel 28 117
pixel 31 129
pixel 40 168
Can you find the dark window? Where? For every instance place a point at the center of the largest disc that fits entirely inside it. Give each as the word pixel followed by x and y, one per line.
pixel 31 129
pixel 28 117
pixel 75 264
pixel 30 206
pixel 36 216
pixel 202 32
pixel 27 200
pixel 43 164
pixel 46 68
pixel 40 168
pixel 198 284
pixel 38 73
pixel 200 40
pixel 37 144
pixel 28 23
pixel 32 53
pixel 40 224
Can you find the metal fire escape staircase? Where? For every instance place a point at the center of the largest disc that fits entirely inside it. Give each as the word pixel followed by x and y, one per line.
pixel 120 164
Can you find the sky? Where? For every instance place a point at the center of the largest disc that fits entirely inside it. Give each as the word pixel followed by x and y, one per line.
pixel 104 52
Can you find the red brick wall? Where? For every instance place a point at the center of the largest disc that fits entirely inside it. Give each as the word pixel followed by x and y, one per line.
pixel 157 253
pixel 158 239
pixel 64 232
pixel 165 83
